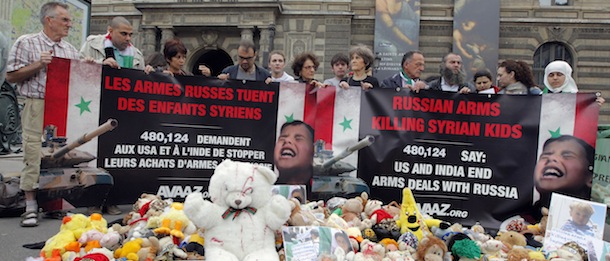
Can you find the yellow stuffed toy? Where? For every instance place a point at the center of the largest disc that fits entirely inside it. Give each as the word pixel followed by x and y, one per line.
pixel 129 250
pixel 410 219
pixel 66 239
pixel 172 222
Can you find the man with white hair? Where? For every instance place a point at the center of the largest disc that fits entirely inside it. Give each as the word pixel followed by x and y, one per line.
pixel 27 68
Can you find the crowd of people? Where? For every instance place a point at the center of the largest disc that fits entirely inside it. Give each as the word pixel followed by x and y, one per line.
pixel 31 53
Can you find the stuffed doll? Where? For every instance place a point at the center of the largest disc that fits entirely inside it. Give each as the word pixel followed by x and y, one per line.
pixel 570 251
pixel 539 229
pixel 172 222
pixel 129 250
pixel 351 210
pixel 518 254
pixel 465 250
pixel 301 217
pixel 71 229
pixel 243 215
pixel 510 239
pixel 491 249
pixel 431 248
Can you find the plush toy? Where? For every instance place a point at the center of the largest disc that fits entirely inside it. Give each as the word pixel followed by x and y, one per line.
pixel 491 248
pixel 91 239
pixel 518 254
pixel 539 229
pixel 66 239
pixel 351 210
pixel 465 250
pixel 318 209
pixel 149 205
pixel 129 250
pixel 137 227
pixel 375 212
pixel 149 249
pixel 97 254
pixel 97 222
pixel 301 217
pixel 393 208
pixel 410 218
pixel 570 251
pixel 172 222
pixel 510 239
pixel 477 233
pixel 169 251
pixel 431 248
pixel 370 251
pixel 194 247
pixel 112 239
pixel 77 223
pixel 517 225
pixel 241 219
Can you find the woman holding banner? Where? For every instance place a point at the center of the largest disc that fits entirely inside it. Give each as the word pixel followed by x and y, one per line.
pixel 305 66
pixel 361 60
pixel 175 55
pixel 558 79
pixel 515 77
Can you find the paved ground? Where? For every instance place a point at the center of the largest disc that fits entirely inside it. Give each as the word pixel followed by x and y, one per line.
pixel 12 236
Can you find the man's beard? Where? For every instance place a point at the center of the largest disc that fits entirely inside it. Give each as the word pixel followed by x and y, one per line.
pixel 453 78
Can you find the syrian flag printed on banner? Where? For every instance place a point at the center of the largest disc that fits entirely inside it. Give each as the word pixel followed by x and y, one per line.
pixel 568 114
pixel 72 99
pixel 296 102
pixel 338 120
pixel 334 113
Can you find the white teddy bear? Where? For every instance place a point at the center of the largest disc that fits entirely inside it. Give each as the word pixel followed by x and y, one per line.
pixel 241 220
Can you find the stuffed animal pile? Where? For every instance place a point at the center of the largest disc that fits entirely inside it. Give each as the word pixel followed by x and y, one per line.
pixel 243 220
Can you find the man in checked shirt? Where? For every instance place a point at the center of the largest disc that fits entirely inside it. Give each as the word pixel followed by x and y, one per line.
pixel 27 68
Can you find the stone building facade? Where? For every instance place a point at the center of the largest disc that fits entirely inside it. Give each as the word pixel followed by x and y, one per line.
pixel 212 29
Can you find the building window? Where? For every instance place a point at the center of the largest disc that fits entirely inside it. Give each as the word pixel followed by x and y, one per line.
pixel 561 2
pixel 555 2
pixel 547 53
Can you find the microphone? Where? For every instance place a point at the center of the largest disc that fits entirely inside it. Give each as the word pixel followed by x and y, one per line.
pixel 109 52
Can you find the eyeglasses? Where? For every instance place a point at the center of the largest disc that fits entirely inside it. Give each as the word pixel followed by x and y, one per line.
pixel 246 58
pixel 309 67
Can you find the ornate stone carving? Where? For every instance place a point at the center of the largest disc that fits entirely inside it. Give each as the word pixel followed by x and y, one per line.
pixel 556 33
pixel 209 38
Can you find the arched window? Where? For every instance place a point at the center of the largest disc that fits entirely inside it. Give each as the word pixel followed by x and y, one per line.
pixel 547 53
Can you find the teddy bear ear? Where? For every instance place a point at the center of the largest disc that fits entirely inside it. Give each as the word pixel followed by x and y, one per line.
pixel 269 174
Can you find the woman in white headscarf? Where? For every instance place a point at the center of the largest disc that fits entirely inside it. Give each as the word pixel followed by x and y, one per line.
pixel 558 79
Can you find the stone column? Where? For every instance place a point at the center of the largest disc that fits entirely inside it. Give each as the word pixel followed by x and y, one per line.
pixel 149 45
pixel 247 34
pixel 265 46
pixel 166 34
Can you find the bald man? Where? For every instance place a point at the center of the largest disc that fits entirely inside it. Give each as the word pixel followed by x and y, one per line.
pixel 114 48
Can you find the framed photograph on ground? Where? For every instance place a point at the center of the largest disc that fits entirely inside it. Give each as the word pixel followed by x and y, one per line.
pixel 577 220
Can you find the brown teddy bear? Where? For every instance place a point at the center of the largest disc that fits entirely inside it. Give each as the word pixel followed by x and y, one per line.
pixel 510 239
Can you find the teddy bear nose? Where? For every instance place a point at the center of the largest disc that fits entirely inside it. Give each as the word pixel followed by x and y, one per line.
pixel 237 202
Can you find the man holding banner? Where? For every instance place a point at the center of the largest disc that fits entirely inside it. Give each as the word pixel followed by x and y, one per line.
pixel 114 48
pixel 412 66
pixel 27 67
pixel 453 76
